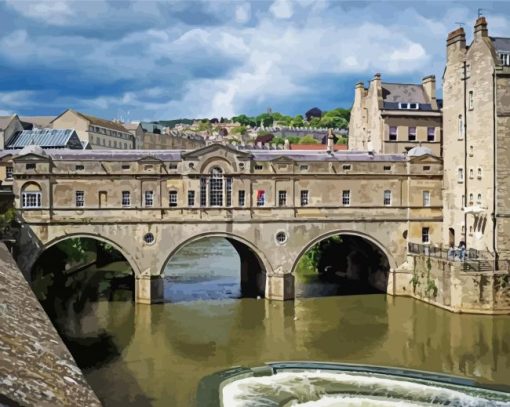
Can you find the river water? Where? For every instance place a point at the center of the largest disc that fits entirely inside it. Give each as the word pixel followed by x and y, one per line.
pixel 156 355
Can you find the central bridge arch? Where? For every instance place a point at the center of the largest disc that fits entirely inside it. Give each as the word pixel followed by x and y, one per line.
pixel 254 265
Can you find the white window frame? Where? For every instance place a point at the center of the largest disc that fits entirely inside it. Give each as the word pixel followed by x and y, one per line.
pixel 282 198
pixel 426 199
pixel 429 138
pixel 191 198
pixel 31 199
pixel 149 199
pixel 79 199
pixel 9 171
pixel 346 197
pixel 460 175
pixel 425 235
pixel 387 198
pixel 126 199
pixel 304 197
pixel 172 199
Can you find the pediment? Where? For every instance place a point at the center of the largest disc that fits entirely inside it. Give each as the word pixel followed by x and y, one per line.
pixel 149 159
pixel 31 157
pixel 215 149
pixel 282 159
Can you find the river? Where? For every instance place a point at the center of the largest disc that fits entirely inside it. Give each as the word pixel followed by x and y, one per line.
pixel 156 355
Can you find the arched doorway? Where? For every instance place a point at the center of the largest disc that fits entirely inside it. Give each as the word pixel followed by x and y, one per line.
pixel 216 266
pixel 342 263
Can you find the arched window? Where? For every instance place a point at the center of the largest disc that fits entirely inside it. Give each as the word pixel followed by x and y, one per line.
pixel 216 187
pixel 31 196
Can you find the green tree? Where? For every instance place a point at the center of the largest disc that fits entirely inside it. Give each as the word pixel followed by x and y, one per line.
pixel 293 139
pixel 314 122
pixel 265 119
pixel 279 141
pixel 297 121
pixel 238 130
pixel 308 139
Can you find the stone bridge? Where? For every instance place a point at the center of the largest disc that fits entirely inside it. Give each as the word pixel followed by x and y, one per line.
pixel 272 207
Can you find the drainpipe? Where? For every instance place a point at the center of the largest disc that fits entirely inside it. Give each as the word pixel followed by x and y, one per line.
pixel 494 170
pixel 465 159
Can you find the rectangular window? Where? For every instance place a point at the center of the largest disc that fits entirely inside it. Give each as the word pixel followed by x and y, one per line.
pixel 303 167
pixel 460 175
pixel 203 191
pixel 79 167
pixel 125 166
pixel 393 133
pixel 504 58
pixel 261 198
pixel 346 167
pixel 258 167
pixel 431 133
pixel 240 198
pixel 426 198
pixel 172 166
pixel 304 198
pixel 460 129
pixel 30 166
pixel 172 198
pixel 149 199
pixel 346 198
pixel 228 191
pixel 126 199
pixel 471 101
pixel 31 200
pixel 426 168
pixel 425 236
pixel 411 134
pixel 191 198
pixel 387 198
pixel 387 168
pixel 282 198
pixel 80 198
pixel 8 172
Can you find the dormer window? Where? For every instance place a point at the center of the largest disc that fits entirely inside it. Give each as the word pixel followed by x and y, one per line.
pixel 408 106
pixel 504 58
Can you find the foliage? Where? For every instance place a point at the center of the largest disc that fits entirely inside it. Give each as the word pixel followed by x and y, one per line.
pixel 297 121
pixel 6 220
pixel 238 130
pixel 173 123
pixel 308 139
pixel 313 112
pixel 279 141
pixel 312 258
pixel 204 126
pixel 293 139
pixel 342 140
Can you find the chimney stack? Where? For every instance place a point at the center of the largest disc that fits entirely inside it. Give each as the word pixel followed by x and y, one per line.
pixel 455 46
pixel 481 28
pixel 429 86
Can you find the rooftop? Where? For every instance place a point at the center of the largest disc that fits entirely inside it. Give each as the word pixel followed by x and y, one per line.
pixel 46 138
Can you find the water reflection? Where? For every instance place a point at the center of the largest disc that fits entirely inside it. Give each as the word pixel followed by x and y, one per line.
pixel 156 355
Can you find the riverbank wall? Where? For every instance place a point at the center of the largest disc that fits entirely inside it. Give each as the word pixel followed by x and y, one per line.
pixel 36 368
pixel 446 284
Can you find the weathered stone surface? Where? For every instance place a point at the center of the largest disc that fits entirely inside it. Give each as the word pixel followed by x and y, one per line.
pixel 36 369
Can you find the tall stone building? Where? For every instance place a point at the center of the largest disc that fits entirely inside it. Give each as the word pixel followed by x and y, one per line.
pixel 392 118
pixel 476 124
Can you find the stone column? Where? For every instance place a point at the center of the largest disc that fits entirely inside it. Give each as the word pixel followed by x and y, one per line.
pixel 149 289
pixel 280 287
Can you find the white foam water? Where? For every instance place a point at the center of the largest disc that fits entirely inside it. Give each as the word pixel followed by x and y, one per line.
pixel 325 389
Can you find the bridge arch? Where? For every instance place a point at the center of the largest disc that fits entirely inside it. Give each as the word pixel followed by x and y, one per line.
pixel 254 265
pixel 132 263
pixel 344 232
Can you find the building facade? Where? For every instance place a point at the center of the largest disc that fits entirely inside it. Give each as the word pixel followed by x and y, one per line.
pixel 392 118
pixel 96 132
pixel 476 115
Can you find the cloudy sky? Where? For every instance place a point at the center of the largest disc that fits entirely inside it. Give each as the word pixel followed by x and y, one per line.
pixel 146 60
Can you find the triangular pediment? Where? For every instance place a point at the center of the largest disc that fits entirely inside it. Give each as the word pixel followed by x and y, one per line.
pixel 282 159
pixel 31 157
pixel 220 149
pixel 149 159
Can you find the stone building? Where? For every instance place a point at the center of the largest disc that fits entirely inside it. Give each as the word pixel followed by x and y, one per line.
pixel 9 126
pixel 150 136
pixel 476 124
pixel 395 117
pixel 96 132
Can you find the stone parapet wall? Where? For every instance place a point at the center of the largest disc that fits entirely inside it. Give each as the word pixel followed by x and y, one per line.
pixel 36 369
pixel 445 284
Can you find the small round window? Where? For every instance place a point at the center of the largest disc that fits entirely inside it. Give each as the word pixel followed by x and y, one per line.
pixel 281 237
pixel 241 166
pixel 149 238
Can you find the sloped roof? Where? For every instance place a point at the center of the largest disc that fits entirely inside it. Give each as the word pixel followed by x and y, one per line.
pixel 38 121
pixel 501 44
pixel 4 121
pixel 403 93
pixel 317 147
pixel 104 123
pixel 46 138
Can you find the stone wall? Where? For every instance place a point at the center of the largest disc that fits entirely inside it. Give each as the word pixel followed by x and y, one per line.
pixel 36 368
pixel 445 284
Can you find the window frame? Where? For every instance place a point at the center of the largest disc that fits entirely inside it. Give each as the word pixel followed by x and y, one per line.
pixel 410 135
pixel 191 198
pixel 282 198
pixel 431 137
pixel 29 195
pixel 346 197
pixel 387 197
pixel 125 199
pixel 425 235
pixel 172 198
pixel 304 197
pixel 261 197
pixel 241 198
pixel 426 199
pixel 79 199
pixel 393 136
pixel 148 199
